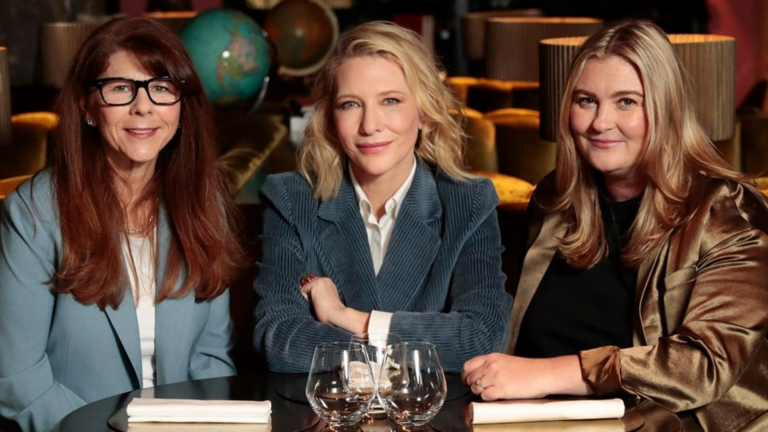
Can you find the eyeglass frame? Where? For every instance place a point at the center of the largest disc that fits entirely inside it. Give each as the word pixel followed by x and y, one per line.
pixel 140 84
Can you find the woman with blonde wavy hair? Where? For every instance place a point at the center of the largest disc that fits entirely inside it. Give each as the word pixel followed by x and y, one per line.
pixel 647 247
pixel 394 235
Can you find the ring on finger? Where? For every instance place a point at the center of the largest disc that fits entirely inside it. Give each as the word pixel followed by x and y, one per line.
pixel 479 383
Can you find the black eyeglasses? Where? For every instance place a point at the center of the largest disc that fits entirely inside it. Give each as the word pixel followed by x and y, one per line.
pixel 123 91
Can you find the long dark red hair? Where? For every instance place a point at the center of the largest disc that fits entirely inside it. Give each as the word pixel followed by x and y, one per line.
pixel 187 180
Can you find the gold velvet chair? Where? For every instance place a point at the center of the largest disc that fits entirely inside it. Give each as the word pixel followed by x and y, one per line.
pixel 521 152
pixel 514 195
pixel 488 95
pixel 525 94
pixel 480 153
pixel 27 152
pixel 762 184
pixel 754 142
pixel 9 185
pixel 730 148
pixel 461 84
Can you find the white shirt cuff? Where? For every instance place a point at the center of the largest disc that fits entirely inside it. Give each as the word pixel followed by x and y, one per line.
pixel 379 322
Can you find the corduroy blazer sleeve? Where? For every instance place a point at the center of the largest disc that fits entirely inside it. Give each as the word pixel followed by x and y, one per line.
pixel 477 320
pixel 285 332
pixel 29 393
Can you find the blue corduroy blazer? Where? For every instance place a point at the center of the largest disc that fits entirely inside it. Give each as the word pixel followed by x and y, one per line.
pixel 57 354
pixel 441 276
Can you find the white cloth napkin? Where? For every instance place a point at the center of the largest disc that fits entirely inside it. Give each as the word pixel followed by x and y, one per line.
pixel 536 410
pixel 198 411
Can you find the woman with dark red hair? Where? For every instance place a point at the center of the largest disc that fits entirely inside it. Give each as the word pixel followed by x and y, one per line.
pixel 114 263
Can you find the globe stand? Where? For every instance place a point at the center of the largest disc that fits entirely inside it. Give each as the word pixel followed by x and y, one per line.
pixel 260 97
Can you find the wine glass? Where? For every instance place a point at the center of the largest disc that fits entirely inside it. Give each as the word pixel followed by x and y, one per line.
pixel 340 385
pixel 418 388
pixel 378 347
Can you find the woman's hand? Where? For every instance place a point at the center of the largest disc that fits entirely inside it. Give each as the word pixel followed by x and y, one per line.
pixel 500 376
pixel 323 294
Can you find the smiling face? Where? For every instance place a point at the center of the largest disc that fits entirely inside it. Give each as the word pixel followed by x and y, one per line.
pixel 376 118
pixel 133 134
pixel 608 119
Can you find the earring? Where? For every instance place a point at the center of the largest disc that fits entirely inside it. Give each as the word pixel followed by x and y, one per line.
pixel 178 126
pixel 89 122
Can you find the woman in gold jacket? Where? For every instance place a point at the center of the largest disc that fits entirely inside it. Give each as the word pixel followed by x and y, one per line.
pixel 646 272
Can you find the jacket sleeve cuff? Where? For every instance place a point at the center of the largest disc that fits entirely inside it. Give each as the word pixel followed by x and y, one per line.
pixel 601 369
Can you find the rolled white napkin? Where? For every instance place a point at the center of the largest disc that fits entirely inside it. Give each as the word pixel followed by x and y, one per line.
pixel 536 410
pixel 198 411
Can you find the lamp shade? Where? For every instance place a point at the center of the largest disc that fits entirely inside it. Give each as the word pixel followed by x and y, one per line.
pixel 554 61
pixel 175 20
pixel 5 99
pixel 512 44
pixel 473 28
pixel 59 42
pixel 709 59
pixel 711 62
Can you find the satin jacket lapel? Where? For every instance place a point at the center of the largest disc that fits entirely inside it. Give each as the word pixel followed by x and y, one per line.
pixel 414 243
pixel 647 322
pixel 126 326
pixel 345 252
pixel 535 266
pixel 172 316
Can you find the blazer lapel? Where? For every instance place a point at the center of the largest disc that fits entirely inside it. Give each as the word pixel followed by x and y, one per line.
pixel 172 316
pixel 414 243
pixel 535 265
pixel 126 326
pixel 647 322
pixel 344 250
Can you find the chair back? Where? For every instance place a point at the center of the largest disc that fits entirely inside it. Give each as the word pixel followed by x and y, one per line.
pixel 28 151
pixel 521 153
pixel 10 184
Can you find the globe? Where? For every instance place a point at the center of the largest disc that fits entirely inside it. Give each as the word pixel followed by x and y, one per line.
pixel 304 33
pixel 230 54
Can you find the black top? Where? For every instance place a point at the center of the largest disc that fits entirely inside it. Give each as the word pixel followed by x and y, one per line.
pixel 579 309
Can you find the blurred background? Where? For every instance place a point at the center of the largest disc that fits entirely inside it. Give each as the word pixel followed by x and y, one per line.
pixel 258 60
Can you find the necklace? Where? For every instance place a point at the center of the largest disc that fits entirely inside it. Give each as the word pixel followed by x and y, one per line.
pixel 144 228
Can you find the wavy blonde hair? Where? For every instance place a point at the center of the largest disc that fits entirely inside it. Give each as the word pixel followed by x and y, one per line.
pixel 677 150
pixel 441 140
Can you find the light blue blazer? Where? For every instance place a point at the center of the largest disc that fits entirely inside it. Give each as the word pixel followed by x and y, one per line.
pixel 57 354
pixel 441 276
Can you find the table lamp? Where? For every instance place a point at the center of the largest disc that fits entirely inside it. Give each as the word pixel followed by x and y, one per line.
pixel 5 99
pixel 59 42
pixel 473 28
pixel 512 44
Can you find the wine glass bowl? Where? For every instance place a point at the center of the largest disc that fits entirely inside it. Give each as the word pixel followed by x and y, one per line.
pixel 340 387
pixel 378 347
pixel 418 388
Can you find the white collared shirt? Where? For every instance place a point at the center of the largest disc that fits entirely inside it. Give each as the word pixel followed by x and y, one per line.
pixel 144 289
pixel 379 233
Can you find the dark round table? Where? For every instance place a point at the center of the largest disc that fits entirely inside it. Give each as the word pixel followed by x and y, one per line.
pixel 290 409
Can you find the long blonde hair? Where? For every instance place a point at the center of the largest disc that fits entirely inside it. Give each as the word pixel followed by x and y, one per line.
pixel 677 149
pixel 441 141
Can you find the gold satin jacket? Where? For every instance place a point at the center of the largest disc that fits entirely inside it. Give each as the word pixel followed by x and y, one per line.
pixel 700 313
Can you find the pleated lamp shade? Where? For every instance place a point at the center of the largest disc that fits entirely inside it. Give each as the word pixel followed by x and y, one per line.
pixel 512 44
pixel 473 28
pixel 59 42
pixel 175 20
pixel 5 99
pixel 709 59
pixel 711 62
